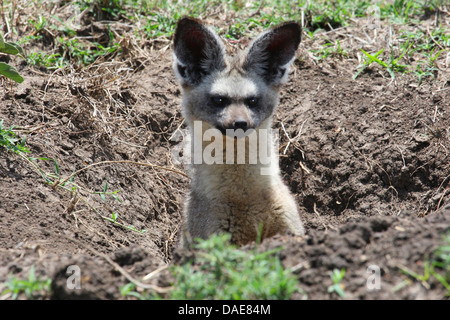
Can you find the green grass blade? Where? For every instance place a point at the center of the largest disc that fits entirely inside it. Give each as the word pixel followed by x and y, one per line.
pixel 56 167
pixel 373 58
pixel 366 63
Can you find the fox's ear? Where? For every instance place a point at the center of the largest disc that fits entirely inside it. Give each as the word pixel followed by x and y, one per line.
pixel 198 52
pixel 271 54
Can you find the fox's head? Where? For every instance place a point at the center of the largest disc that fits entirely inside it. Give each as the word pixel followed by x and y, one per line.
pixel 238 92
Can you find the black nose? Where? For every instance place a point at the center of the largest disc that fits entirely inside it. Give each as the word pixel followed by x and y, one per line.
pixel 240 124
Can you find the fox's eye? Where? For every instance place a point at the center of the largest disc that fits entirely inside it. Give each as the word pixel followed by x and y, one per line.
pixel 252 101
pixel 219 101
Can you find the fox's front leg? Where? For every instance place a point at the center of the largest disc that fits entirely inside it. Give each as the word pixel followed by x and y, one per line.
pixel 204 218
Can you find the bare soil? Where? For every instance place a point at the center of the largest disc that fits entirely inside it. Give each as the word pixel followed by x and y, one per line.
pixel 368 161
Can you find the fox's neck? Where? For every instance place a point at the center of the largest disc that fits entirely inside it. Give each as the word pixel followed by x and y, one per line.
pixel 235 182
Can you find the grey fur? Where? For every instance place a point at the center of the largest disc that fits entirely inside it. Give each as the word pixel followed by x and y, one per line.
pixel 221 92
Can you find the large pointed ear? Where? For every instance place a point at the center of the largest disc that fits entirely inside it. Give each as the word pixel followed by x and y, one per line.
pixel 272 53
pixel 198 52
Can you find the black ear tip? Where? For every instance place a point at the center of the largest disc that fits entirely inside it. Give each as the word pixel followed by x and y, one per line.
pixel 185 26
pixel 188 21
pixel 290 26
pixel 292 30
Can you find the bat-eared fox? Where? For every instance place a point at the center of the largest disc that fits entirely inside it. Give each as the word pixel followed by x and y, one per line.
pixel 228 105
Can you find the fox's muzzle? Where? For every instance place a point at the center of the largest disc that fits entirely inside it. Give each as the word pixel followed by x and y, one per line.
pixel 237 118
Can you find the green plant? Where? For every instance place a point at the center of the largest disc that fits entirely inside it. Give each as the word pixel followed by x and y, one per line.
pixel 401 9
pixel 10 48
pixel 332 14
pixel 438 267
pixel 337 276
pixel 30 287
pixel 330 49
pixel 85 53
pixel 222 271
pixel 50 61
pixel 10 141
pixel 424 69
pixel 441 263
pixel 38 24
pixel 391 66
pixel 129 290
